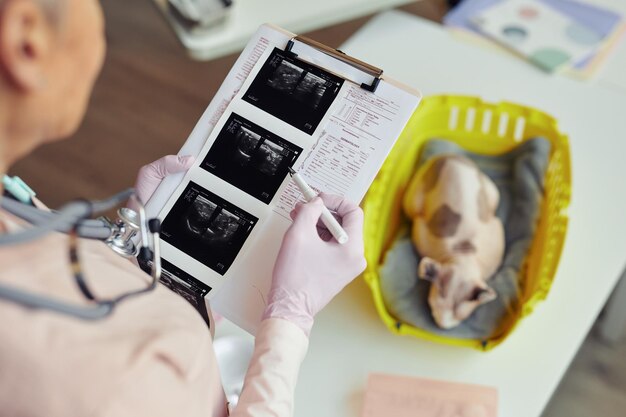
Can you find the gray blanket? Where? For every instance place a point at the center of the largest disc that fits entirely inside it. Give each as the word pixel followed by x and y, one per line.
pixel 519 176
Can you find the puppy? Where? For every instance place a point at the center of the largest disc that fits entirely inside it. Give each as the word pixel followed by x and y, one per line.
pixel 455 230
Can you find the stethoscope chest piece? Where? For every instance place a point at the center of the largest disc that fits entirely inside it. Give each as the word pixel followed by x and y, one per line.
pixel 123 232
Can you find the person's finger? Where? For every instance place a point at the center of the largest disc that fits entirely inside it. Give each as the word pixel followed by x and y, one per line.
pixel 350 213
pixel 308 214
pixel 324 234
pixel 151 175
pixel 331 201
pixel 322 226
pixel 352 223
pixel 337 203
pixel 172 164
pixel 294 212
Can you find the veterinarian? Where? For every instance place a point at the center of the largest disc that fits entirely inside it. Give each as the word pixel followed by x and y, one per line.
pixel 153 356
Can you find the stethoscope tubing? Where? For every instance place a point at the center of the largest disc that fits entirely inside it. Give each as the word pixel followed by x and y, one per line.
pixel 74 217
pixel 62 220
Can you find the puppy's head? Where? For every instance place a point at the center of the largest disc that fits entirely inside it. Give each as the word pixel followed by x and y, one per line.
pixel 455 292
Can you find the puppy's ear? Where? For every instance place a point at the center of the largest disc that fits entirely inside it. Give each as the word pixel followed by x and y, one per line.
pixel 483 294
pixel 429 269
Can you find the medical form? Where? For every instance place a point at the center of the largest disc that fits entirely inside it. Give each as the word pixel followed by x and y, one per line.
pixel 223 221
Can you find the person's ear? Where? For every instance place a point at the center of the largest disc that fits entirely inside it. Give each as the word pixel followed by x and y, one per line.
pixel 25 41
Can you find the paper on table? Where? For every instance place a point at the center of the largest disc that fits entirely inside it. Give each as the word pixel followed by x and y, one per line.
pixel 603 21
pixel 537 32
pixel 400 396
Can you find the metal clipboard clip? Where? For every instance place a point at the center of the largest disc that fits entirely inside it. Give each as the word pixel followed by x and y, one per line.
pixel 371 70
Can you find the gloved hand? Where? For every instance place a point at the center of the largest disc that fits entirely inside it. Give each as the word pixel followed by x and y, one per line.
pixel 151 175
pixel 312 267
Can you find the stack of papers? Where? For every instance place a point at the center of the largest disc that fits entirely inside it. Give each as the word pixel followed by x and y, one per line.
pixel 556 35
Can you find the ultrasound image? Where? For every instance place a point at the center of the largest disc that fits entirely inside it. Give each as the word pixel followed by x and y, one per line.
pixel 182 284
pixel 247 142
pixel 210 225
pixel 310 90
pixel 207 228
pixel 269 158
pixel 294 91
pixel 286 77
pixel 251 158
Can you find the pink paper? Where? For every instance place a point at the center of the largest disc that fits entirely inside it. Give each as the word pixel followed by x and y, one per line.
pixel 399 396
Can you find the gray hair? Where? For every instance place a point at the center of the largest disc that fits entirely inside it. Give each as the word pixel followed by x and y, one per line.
pixel 52 8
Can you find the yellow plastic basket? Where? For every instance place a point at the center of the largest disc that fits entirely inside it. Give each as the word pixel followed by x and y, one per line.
pixel 484 128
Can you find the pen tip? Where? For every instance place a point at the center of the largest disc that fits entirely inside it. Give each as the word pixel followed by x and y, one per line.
pixel 291 170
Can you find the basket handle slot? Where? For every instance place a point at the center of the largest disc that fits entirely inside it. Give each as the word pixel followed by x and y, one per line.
pixel 470 118
pixel 520 125
pixel 503 123
pixel 453 121
pixel 486 124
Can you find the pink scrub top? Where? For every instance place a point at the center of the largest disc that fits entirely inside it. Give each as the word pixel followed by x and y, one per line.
pixel 152 357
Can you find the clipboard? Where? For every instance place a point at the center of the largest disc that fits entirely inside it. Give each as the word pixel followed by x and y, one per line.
pixel 340 56
pixel 240 297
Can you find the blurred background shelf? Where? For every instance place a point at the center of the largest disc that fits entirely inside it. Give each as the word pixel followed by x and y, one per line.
pixel 297 15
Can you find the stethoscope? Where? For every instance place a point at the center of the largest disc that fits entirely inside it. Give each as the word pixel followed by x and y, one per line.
pixel 76 220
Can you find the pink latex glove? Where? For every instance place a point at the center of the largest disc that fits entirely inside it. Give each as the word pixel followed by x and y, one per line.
pixel 151 175
pixel 312 267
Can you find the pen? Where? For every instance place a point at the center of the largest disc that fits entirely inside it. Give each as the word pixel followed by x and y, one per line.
pixel 328 219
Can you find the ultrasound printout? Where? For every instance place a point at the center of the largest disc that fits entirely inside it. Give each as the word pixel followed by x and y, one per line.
pixel 206 227
pixel 294 91
pixel 182 284
pixel 251 158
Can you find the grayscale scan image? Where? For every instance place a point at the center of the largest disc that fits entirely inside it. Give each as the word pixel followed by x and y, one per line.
pixel 207 227
pixel 251 158
pixel 294 91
